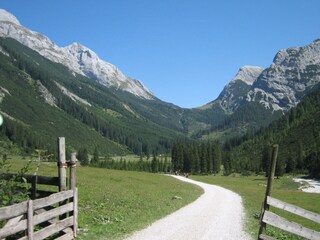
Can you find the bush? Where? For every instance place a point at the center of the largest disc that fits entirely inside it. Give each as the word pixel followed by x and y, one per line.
pixel 14 190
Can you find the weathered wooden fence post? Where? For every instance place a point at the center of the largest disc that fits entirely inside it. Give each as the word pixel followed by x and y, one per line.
pixel 75 211
pixel 73 187
pixel 62 164
pixel 34 187
pixel 269 187
pixel 30 220
pixel 73 171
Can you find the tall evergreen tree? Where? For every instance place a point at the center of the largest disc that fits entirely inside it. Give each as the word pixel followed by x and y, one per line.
pixel 203 159
pixel 265 161
pixel 217 158
pixel 82 156
pixel 95 158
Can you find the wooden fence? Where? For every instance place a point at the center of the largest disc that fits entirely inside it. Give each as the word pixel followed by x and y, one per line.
pixel 54 216
pixel 29 215
pixel 35 180
pixel 270 218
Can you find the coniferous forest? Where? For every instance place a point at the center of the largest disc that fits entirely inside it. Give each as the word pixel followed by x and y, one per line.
pixel 298 136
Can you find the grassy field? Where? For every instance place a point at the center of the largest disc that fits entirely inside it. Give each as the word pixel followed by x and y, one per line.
pixel 113 203
pixel 252 189
pixel 116 203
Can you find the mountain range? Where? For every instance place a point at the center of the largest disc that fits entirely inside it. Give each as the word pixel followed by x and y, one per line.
pixel 120 113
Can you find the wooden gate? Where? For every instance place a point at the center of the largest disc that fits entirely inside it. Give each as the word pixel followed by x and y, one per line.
pixel 54 216
pixel 270 218
pixel 42 217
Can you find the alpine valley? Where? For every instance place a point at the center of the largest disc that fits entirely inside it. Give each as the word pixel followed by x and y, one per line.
pixel 47 91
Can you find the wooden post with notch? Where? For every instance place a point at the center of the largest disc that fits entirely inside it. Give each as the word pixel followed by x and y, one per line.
pixel 34 181
pixel 269 187
pixel 73 171
pixel 62 165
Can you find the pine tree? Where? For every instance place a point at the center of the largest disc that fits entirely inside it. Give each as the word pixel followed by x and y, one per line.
pixel 210 158
pixel 217 158
pixel 154 164
pixel 82 156
pixel 203 159
pixel 291 165
pixel 197 167
pixel 265 161
pixel 95 158
pixel 280 168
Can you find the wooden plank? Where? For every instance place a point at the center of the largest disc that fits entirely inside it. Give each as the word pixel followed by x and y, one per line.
pixel 66 236
pixel 62 164
pixel 62 225
pixel 30 220
pixel 45 180
pixel 52 199
pixel 262 228
pixel 54 220
pixel 43 193
pixel 272 170
pixel 75 212
pixel 282 223
pixel 34 187
pixel 294 209
pixel 73 171
pixel 52 229
pixel 266 237
pixel 13 210
pixel 13 221
pixel 7 231
pixel 47 215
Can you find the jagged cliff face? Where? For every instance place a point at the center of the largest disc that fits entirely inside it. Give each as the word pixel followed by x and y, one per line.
pixel 76 57
pixel 280 87
pixel 293 72
pixel 234 93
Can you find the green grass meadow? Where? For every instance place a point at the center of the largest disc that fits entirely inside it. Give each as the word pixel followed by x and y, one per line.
pixel 113 204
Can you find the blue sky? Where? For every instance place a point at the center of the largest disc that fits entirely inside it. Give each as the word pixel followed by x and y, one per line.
pixel 184 51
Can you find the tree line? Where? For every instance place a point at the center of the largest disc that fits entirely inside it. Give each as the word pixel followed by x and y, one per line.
pixel 156 164
pixel 196 157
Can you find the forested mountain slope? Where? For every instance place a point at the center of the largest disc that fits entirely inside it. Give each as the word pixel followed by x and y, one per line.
pixel 42 100
pixel 298 136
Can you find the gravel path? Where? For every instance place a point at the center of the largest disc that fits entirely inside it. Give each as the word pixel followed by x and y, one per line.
pixel 216 215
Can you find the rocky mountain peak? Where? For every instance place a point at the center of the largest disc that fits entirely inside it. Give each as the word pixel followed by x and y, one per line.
pixel 248 74
pixel 293 71
pixel 235 91
pixel 8 17
pixel 299 56
pixel 78 58
pixel 77 48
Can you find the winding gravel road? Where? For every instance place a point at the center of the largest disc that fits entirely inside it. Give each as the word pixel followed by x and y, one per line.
pixel 217 214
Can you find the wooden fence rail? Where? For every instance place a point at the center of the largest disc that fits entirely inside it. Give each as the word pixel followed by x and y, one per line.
pixel 35 180
pixel 270 218
pixel 28 215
